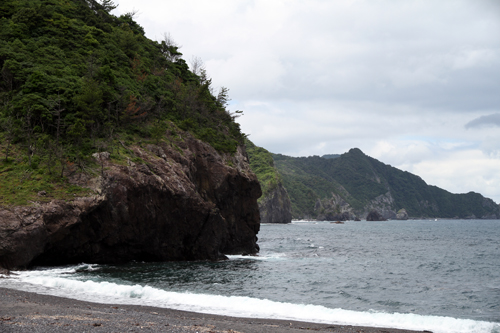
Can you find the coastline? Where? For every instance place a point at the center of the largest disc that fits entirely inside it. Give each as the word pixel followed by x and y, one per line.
pixel 22 311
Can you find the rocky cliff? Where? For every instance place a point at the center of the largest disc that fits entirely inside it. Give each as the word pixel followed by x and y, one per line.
pixel 334 209
pixel 275 207
pixel 169 202
pixel 383 205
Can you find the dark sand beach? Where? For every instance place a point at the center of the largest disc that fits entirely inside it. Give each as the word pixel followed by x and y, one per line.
pixel 29 312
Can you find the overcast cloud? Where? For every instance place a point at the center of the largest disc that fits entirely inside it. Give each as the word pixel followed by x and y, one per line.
pixel 415 84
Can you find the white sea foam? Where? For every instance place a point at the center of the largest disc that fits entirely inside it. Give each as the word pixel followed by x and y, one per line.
pixel 274 256
pixel 61 283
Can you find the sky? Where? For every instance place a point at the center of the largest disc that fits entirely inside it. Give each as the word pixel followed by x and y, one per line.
pixel 414 84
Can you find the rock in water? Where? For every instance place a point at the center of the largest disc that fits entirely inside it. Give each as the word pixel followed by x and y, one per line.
pixel 179 204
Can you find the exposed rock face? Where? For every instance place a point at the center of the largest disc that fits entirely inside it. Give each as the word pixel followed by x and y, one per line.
pixel 402 214
pixel 375 216
pixel 276 206
pixel 383 204
pixel 334 209
pixel 175 206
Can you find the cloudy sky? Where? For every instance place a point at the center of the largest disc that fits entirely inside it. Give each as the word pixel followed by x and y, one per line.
pixel 415 84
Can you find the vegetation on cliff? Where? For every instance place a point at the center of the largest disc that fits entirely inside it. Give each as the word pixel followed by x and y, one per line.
pixel 306 179
pixel 274 204
pixel 262 164
pixel 365 183
pixel 75 80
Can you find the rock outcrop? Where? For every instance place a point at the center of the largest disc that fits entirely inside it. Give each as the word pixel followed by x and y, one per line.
pixel 183 202
pixel 383 204
pixel 276 206
pixel 375 216
pixel 334 209
pixel 402 214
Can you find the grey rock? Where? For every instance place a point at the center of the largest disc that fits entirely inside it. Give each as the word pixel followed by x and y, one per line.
pixel 402 214
pixel 276 206
pixel 375 216
pixel 334 209
pixel 102 156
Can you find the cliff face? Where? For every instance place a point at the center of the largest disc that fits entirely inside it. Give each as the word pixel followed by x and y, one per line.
pixel 276 207
pixel 182 203
pixel 383 205
pixel 334 209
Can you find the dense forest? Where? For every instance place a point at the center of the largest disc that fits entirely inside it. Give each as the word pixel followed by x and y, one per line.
pixel 76 80
pixel 364 182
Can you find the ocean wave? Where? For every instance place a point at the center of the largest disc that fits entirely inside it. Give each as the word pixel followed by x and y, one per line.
pixel 275 256
pixel 60 282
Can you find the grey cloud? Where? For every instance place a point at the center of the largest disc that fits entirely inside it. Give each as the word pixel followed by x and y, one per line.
pixel 489 120
pixel 324 76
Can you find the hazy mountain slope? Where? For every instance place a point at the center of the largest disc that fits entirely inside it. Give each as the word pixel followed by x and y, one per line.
pixel 365 184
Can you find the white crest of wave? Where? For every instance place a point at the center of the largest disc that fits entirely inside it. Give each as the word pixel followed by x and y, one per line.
pixel 107 292
pixel 276 256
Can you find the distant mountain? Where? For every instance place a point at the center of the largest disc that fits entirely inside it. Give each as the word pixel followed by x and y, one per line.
pixel 331 156
pixel 353 184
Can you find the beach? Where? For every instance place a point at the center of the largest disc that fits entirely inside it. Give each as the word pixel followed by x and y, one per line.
pixel 30 312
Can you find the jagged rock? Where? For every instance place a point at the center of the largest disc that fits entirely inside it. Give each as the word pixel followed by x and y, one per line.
pixel 383 204
pixel 334 209
pixel 195 206
pixel 276 206
pixel 375 216
pixel 402 214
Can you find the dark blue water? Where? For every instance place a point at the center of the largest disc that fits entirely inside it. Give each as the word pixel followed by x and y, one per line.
pixel 432 268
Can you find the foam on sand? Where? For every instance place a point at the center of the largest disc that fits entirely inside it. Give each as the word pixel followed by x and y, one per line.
pixel 62 282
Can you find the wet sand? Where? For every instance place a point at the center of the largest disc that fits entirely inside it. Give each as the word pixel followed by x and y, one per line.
pixel 29 312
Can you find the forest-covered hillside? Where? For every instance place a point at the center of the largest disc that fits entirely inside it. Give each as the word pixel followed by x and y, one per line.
pixel 262 164
pixel 365 184
pixel 75 80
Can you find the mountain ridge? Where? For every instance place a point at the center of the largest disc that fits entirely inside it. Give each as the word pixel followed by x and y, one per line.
pixel 316 186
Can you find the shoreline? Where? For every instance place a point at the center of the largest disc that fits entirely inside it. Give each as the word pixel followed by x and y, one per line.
pixel 22 311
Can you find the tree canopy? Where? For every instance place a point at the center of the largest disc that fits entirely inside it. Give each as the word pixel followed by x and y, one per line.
pixel 74 77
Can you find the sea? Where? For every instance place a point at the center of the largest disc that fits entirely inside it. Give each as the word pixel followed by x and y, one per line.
pixel 441 276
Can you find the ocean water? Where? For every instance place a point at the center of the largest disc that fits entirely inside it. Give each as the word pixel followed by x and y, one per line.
pixel 440 276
